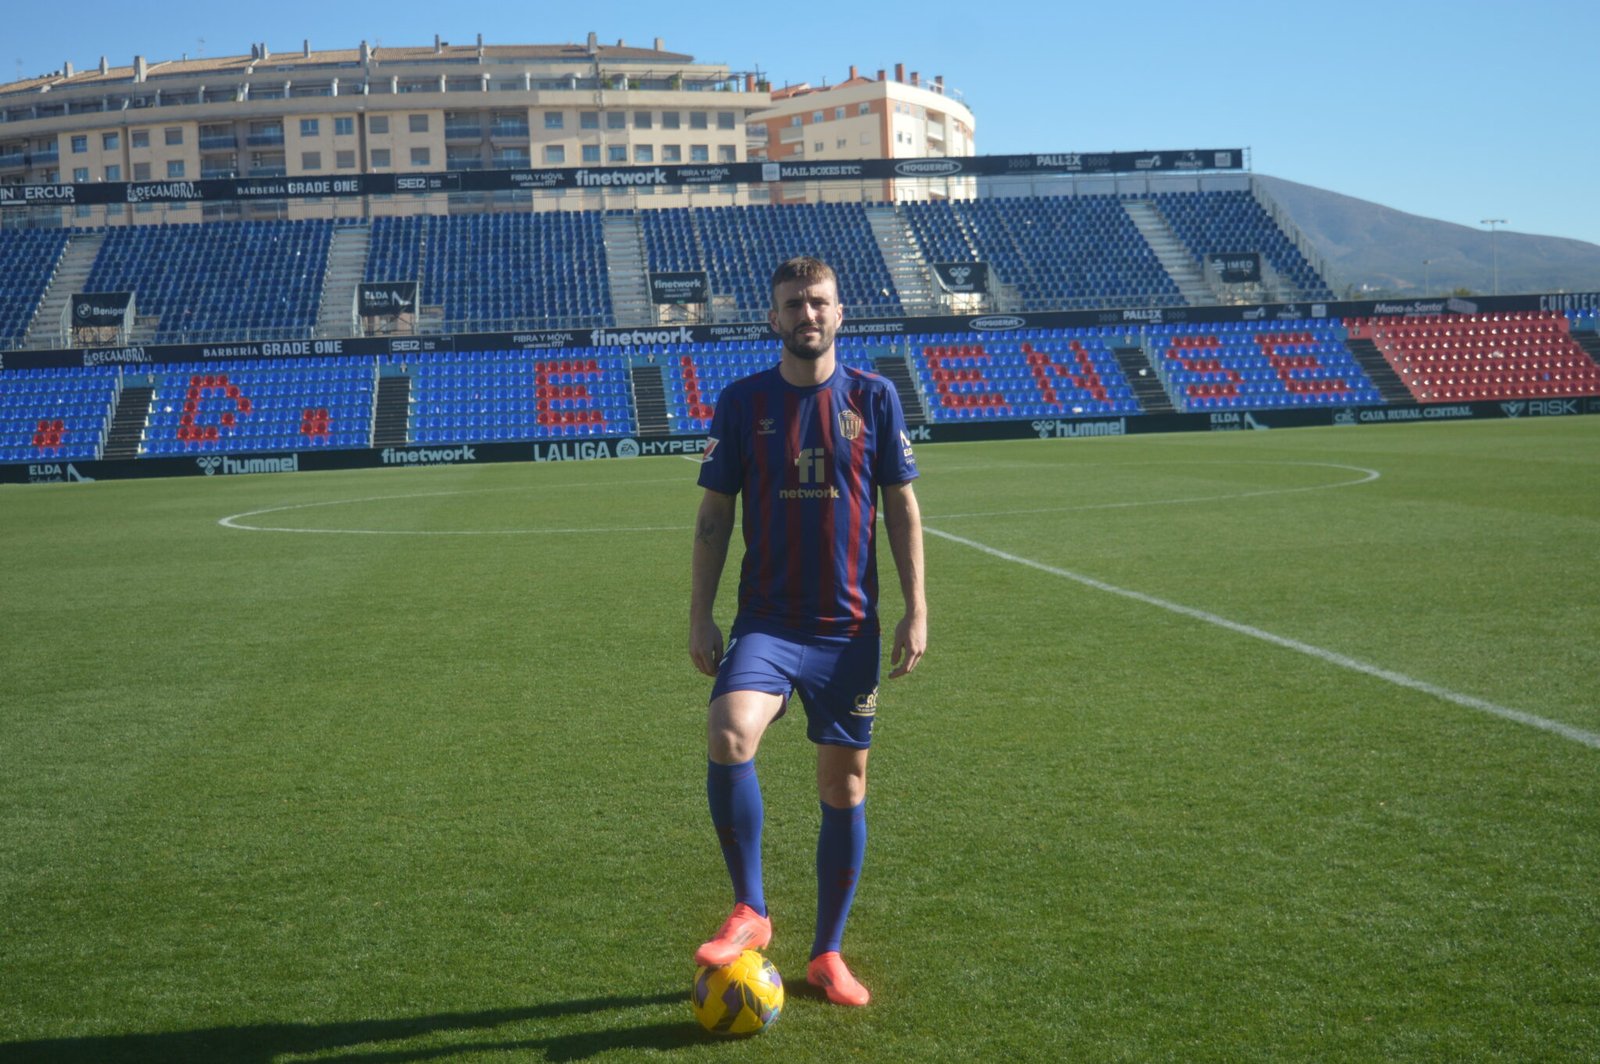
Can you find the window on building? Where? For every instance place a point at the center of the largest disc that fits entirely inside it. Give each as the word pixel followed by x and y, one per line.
pixel 554 154
pixel 816 116
pixel 699 153
pixel 344 127
pixel 80 144
pixel 173 135
pixel 697 120
pixel 141 171
pixel 616 120
pixel 838 112
pixel 727 153
pixel 617 153
pixel 417 123
pixel 139 138
pixel 378 124
pixel 864 109
pixel 380 158
pixel 311 160
pixel 588 119
pixel 421 156
pixel 725 120
pixel 591 153
pixel 794 121
pixel 555 120
pixel 110 141
pixel 345 160
pixel 642 120
pixel 175 168
pixel 670 120
pixel 644 153
pixel 309 127
pixel 114 172
pixel 80 174
pixel 671 153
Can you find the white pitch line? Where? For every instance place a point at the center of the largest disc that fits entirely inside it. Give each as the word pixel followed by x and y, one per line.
pixel 1566 731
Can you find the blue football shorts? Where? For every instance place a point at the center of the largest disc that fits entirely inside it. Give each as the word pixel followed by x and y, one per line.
pixel 836 678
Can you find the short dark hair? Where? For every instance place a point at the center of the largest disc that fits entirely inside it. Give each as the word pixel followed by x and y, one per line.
pixel 803 268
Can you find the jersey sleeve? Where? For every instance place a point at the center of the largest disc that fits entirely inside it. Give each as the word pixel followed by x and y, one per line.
pixel 722 463
pixel 896 463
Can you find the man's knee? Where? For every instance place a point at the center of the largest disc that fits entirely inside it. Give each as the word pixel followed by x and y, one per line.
pixel 841 776
pixel 736 722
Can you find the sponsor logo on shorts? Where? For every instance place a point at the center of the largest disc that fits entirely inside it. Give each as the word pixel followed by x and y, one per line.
pixel 866 705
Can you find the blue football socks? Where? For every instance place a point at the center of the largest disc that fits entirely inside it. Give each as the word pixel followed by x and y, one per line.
pixel 734 794
pixel 841 845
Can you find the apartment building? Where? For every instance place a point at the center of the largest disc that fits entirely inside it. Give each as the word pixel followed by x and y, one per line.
pixel 897 117
pixel 377 110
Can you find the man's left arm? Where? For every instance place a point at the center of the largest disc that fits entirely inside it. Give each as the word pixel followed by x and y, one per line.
pixel 903 521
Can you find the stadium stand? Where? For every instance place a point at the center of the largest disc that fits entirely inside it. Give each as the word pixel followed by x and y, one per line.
pixel 55 414
pixel 226 280
pixel 1479 357
pixel 258 405
pixel 1258 365
pixel 493 272
pixel 484 396
pixel 1226 222
pixel 738 247
pixel 28 259
pixel 1057 251
pixel 1046 373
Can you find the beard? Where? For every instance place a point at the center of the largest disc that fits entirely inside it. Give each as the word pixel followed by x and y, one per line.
pixel 808 346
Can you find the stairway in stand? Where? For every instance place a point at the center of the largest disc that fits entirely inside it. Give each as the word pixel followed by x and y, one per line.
pixel 45 330
pixel 1378 370
pixel 650 400
pixel 127 422
pixel 626 270
pixel 1146 385
pixel 347 265
pixel 391 411
pixel 896 371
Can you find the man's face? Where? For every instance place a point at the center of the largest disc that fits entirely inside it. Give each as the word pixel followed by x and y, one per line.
pixel 806 315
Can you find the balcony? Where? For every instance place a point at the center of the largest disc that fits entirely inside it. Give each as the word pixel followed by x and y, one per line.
pixel 463 131
pixel 270 138
pixel 507 130
pixel 278 170
pixel 463 162
pixel 221 142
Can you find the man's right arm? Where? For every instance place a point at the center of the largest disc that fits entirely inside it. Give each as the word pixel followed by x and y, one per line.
pixel 713 528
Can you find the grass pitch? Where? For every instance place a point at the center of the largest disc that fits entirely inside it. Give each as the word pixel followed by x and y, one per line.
pixel 1213 758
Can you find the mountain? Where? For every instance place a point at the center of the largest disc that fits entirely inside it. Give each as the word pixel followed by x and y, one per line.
pixel 1371 250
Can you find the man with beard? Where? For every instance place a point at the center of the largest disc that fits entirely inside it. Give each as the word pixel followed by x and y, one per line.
pixel 811 445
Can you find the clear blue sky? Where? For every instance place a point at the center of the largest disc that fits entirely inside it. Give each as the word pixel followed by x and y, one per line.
pixel 1458 111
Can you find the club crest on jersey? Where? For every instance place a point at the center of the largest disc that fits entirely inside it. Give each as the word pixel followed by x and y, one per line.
pixel 849 424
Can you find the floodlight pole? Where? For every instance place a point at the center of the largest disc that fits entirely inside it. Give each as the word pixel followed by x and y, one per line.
pixel 1494 248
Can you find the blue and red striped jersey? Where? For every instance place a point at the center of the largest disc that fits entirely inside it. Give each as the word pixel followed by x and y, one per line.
pixel 808 463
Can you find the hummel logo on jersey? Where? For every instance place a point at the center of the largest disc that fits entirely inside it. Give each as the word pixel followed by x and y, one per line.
pixel 766 426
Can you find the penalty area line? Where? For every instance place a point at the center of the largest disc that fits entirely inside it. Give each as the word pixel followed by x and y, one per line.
pixel 1566 731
